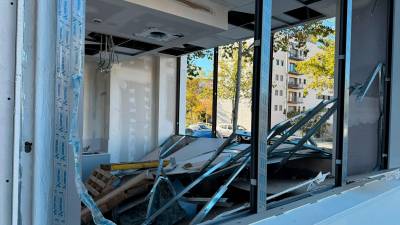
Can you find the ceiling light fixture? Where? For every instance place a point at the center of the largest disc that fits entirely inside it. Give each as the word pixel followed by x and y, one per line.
pixel 97 20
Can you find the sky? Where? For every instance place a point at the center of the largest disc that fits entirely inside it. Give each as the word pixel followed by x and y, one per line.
pixel 207 64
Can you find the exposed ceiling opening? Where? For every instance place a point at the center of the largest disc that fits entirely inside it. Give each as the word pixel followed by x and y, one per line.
pixel 139 29
pixel 241 19
pixel 304 14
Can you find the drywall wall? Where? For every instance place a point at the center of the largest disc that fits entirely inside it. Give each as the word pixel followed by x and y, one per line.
pixel 182 95
pixel 369 38
pixel 95 107
pixel 142 106
pixel 132 109
pixel 165 76
pixel 205 12
pixel 7 62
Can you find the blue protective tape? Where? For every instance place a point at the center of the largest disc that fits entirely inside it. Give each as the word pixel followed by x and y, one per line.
pixel 75 142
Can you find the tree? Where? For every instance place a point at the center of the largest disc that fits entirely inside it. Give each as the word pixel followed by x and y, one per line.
pixel 227 72
pixel 300 35
pixel 315 32
pixel 192 69
pixel 198 100
pixel 320 68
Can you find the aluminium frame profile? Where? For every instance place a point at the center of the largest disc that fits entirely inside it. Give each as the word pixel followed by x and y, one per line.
pixel 260 97
pixel 228 160
pixel 342 62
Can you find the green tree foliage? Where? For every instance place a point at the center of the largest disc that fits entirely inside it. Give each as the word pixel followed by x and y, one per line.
pixel 198 100
pixel 194 70
pixel 227 71
pixel 320 68
pixel 300 35
pixel 199 103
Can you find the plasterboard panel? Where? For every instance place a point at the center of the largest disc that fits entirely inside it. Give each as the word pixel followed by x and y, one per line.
pixel 236 33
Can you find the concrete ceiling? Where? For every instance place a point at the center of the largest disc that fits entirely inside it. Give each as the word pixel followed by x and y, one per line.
pixel 190 27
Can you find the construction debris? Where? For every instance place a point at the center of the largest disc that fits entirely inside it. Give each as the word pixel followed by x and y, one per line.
pixel 132 165
pixel 174 180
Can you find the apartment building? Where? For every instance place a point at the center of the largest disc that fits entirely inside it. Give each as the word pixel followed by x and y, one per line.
pixel 288 85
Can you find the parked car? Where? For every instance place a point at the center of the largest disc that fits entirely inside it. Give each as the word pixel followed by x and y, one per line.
pixel 199 130
pixel 225 130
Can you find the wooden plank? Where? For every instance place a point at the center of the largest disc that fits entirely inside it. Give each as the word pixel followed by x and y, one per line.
pixel 92 191
pixel 115 197
pixel 97 181
pixel 132 165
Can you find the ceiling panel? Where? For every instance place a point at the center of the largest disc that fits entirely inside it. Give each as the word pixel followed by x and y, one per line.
pixel 124 19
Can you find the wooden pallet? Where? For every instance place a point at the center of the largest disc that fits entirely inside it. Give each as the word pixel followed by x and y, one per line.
pixel 100 183
pixel 138 185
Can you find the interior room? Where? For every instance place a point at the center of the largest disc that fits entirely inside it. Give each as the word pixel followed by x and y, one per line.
pixel 201 112
pixel 136 56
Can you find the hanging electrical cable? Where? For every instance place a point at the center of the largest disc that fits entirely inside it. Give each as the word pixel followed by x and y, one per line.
pixel 107 54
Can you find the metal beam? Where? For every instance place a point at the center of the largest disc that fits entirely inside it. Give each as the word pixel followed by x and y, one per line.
pixel 178 94
pixel 215 94
pixel 387 87
pixel 260 96
pixel 343 57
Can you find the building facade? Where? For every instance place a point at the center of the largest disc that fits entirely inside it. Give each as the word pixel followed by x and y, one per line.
pixel 288 85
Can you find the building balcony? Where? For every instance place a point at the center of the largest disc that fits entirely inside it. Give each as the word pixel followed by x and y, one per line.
pixel 296 57
pixel 295 85
pixel 293 72
pixel 295 100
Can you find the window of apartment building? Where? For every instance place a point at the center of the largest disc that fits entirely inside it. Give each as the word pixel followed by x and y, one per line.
pixel 276 92
pixel 299 94
pixel 277 62
pixel 276 107
pixel 282 62
pixel 291 108
pixel 281 93
pixel 304 81
pixel 277 77
pixel 281 77
pixel 292 67
pixel 280 108
pixel 304 108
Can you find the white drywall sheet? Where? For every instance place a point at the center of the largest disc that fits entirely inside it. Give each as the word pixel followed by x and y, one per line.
pixel 132 110
pixel 7 66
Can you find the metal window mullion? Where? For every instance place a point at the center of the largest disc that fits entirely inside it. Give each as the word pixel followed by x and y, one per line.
pixel 215 94
pixel 343 84
pixel 260 112
pixel 178 95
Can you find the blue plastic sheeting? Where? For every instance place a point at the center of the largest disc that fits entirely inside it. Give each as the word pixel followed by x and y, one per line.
pixel 69 72
pixel 98 217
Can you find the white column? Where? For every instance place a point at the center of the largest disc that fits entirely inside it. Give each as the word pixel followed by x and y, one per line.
pixel 7 67
pixel 44 112
pixel 182 97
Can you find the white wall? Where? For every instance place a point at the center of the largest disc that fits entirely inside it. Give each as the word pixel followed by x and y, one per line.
pixel 224 112
pixel 142 106
pixel 279 85
pixel 95 107
pixel 165 76
pixel 7 65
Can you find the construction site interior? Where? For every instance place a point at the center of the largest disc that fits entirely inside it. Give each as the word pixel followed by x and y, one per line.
pixel 141 164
